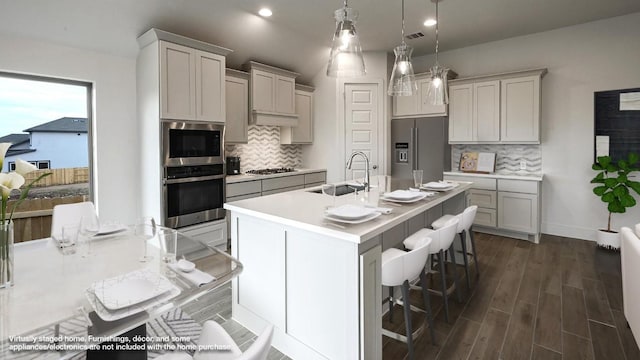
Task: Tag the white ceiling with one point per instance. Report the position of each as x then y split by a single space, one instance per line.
298 35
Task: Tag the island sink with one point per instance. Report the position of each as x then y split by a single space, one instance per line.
341 189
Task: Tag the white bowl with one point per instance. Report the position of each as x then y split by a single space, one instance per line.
185 265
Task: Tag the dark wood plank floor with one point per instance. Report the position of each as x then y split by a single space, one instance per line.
560 299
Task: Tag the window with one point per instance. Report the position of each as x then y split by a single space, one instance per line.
48 123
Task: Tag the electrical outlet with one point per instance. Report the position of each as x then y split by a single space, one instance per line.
523 165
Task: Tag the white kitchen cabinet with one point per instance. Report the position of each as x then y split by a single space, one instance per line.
191 83
518 212
272 95
237 107
520 111
212 233
496 109
417 105
303 132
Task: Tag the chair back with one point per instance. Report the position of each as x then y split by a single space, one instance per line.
443 237
468 216
408 265
260 347
69 214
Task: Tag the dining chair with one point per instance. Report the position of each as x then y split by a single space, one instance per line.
213 334
69 214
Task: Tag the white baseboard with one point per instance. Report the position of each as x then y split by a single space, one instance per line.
569 231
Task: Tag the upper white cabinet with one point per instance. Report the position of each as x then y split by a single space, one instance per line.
503 108
191 83
417 105
237 107
303 133
273 95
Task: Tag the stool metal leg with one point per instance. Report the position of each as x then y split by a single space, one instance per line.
407 316
443 279
390 304
427 306
473 248
466 260
455 274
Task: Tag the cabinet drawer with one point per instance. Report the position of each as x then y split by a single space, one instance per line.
213 234
282 182
243 188
313 184
520 186
241 197
276 191
485 217
478 182
318 177
483 198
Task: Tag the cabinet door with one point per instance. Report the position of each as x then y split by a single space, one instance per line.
237 110
405 105
424 107
518 212
482 198
262 91
285 94
210 87
460 113
303 133
520 110
177 82
486 110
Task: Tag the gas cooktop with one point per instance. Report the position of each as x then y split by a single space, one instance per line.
270 171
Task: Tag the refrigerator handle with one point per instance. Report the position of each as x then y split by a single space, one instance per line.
414 140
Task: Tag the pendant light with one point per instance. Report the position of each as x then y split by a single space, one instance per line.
346 54
402 81
437 91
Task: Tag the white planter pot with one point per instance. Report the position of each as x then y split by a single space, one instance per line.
608 240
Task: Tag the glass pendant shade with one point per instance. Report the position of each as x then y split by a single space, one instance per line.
402 82
346 54
437 91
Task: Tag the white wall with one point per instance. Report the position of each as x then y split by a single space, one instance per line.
327 150
581 59
63 150
114 122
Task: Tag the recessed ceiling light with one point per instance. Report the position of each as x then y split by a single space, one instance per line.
430 22
265 12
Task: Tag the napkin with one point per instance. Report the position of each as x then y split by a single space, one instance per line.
384 210
196 276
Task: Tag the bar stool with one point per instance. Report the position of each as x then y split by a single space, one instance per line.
465 223
442 241
398 268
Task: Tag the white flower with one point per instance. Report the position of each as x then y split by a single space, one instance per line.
3 151
23 167
9 182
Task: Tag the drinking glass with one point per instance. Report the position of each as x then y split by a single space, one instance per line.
89 226
69 239
417 178
169 244
330 189
145 230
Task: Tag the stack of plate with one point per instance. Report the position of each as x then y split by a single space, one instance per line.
351 214
404 196
128 294
439 186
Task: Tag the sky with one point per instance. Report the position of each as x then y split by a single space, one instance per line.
27 103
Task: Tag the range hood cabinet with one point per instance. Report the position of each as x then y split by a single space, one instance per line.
273 119
273 95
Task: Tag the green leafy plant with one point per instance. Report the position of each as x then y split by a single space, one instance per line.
614 183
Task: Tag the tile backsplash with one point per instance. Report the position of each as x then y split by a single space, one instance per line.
508 157
263 150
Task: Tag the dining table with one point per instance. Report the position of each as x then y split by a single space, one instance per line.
58 305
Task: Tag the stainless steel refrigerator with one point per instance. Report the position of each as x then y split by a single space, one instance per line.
420 144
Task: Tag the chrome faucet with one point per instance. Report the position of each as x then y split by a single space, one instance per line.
367 181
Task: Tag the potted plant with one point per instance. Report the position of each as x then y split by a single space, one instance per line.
613 186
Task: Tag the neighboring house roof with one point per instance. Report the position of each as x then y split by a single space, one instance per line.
17 152
15 139
65 124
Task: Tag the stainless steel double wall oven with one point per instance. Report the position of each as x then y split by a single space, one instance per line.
194 172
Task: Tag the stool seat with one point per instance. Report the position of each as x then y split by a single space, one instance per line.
441 221
411 242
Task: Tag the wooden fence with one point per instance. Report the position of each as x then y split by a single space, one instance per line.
64 176
32 219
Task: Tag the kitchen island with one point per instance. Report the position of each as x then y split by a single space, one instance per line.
318 281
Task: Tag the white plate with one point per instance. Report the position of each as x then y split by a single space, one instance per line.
106 229
420 196
358 221
107 315
130 289
350 212
403 195
438 185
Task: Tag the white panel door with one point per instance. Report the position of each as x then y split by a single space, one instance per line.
210 84
486 110
461 127
177 82
361 126
518 212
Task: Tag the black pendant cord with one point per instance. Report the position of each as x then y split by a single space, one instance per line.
437 22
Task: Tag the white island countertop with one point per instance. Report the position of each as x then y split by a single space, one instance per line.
305 210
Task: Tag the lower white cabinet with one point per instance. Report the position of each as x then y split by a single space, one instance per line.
212 233
518 212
